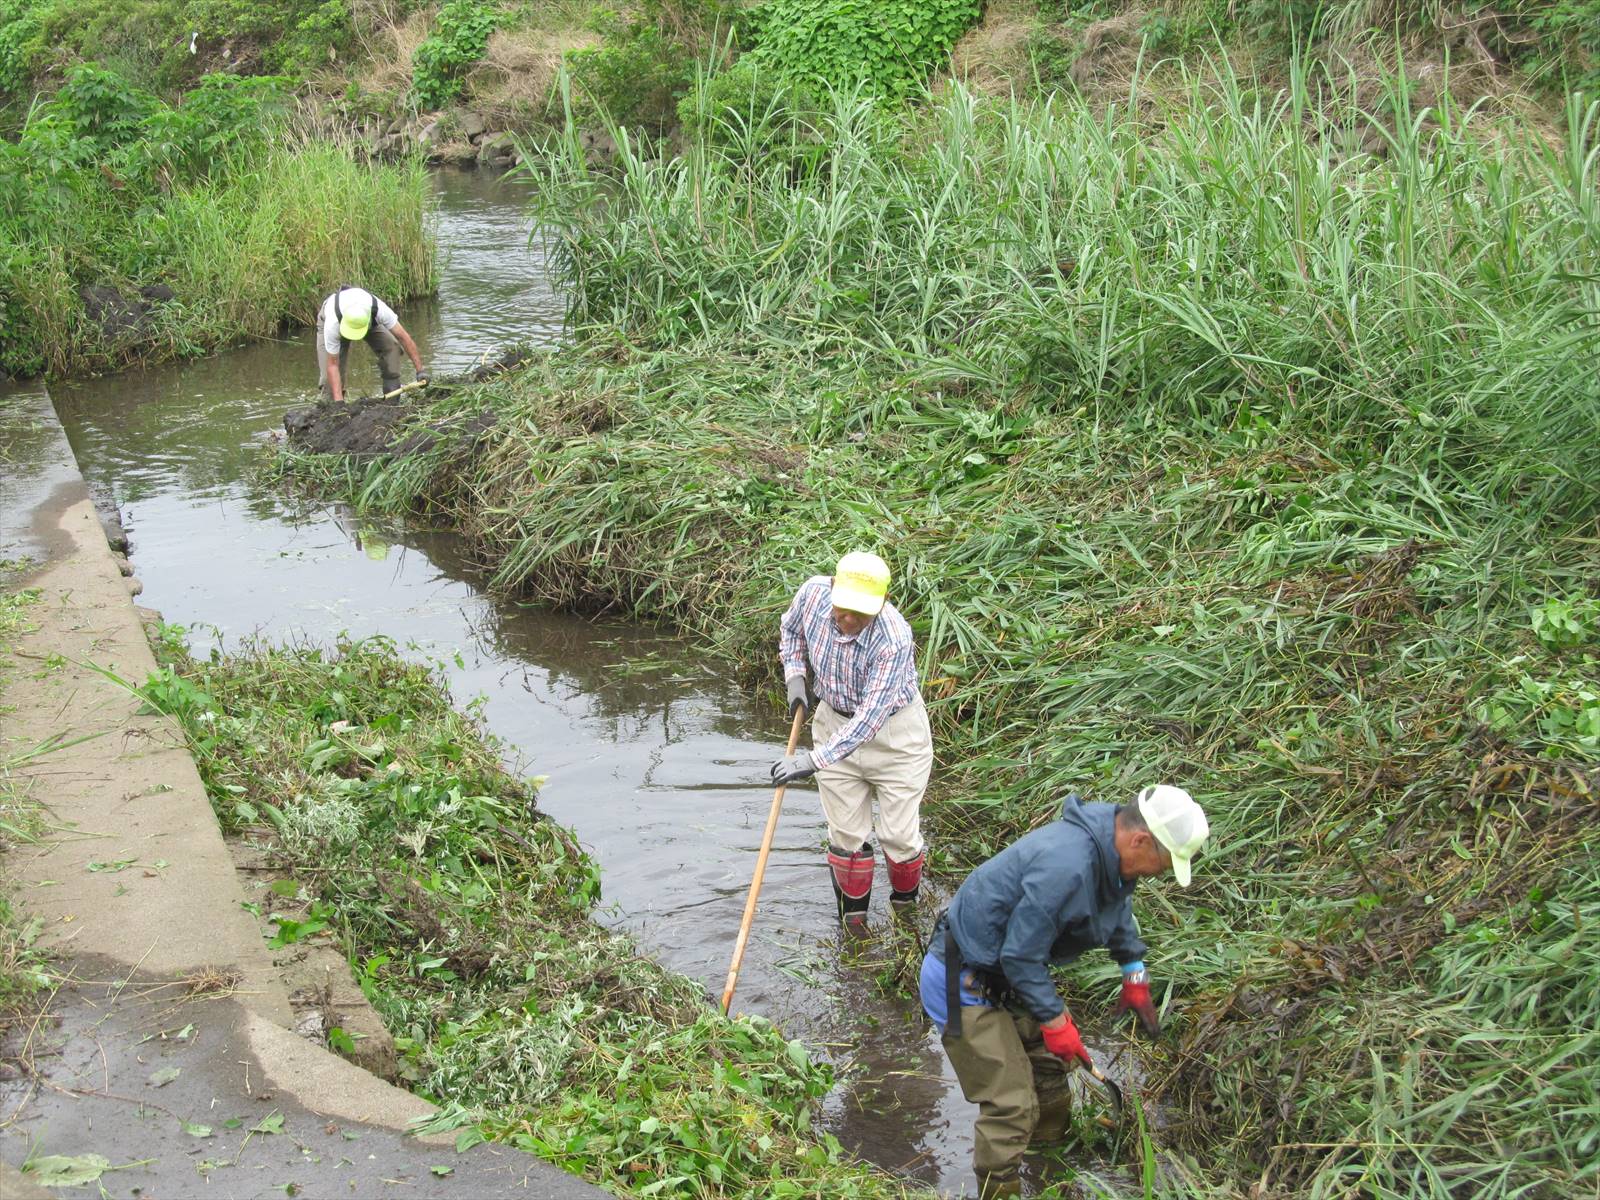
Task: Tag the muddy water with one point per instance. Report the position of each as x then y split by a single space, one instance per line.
654 756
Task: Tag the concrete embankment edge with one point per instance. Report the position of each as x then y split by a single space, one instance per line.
132 882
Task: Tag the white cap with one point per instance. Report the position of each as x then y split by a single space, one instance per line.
1177 822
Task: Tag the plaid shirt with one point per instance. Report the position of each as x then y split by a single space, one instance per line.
871 675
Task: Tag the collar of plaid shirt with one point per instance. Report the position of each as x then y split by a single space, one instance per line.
842 665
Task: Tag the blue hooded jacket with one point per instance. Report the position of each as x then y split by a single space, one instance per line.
1045 899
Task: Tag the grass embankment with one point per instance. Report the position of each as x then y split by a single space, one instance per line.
465 915
1205 448
244 224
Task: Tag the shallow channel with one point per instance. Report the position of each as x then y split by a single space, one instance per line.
654 755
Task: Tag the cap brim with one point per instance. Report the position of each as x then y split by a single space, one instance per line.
1180 870
354 330
845 596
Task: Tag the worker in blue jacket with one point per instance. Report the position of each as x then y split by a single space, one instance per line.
1042 901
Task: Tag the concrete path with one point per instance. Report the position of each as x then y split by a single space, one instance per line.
143 912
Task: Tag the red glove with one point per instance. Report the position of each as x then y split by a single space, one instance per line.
1136 998
1061 1039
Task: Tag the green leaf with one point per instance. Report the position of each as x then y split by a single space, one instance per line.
163 1077
271 1123
441 1170
198 1131
467 1139
59 1170
798 1055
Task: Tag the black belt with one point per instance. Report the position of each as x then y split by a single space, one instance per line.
952 982
847 715
988 982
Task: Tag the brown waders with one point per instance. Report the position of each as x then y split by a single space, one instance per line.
1020 1088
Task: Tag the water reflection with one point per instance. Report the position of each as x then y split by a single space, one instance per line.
30 468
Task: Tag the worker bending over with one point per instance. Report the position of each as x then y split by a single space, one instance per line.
1057 892
354 315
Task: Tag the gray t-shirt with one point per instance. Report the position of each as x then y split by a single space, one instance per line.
330 323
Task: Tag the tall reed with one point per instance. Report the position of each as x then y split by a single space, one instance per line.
1205 447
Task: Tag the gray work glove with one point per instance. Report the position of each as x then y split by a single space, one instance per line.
422 377
797 694
796 766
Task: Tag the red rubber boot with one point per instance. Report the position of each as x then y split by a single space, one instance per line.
905 878
852 883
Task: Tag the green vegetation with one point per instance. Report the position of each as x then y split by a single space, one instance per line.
1551 44
149 42
889 47
215 199
460 35
466 917
648 58
1206 447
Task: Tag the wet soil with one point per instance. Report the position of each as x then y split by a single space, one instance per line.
360 429
368 427
162 1076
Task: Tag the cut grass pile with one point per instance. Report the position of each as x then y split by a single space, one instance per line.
1205 448
465 914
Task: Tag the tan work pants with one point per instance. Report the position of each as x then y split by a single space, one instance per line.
383 344
894 767
1018 1085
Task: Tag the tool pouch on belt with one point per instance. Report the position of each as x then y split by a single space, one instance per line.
991 985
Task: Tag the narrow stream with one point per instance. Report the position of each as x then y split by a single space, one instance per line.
654 755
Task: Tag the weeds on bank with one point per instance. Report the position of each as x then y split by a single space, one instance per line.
1205 446
466 917
245 225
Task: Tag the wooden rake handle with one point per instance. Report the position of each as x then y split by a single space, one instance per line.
761 869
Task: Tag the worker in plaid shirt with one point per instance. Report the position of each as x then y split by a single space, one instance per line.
870 732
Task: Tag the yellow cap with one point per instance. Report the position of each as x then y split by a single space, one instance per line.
355 313
860 582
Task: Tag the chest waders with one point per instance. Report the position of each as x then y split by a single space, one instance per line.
1004 1067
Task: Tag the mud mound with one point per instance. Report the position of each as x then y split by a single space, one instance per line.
381 426
358 428
123 316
